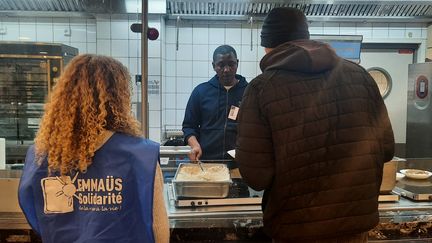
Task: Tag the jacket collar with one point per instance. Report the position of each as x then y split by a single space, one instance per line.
215 82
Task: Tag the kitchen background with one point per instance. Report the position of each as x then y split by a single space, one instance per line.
174 72
395 34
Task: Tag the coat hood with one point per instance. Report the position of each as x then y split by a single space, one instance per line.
305 56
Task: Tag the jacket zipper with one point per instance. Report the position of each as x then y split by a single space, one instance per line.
226 123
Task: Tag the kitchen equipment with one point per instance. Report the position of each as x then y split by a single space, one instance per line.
169 155
345 46
173 137
417 190
170 158
200 189
419 111
28 72
239 194
389 175
217 202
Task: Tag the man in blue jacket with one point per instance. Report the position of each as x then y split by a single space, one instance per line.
210 122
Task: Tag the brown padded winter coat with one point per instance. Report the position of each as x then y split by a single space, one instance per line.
314 133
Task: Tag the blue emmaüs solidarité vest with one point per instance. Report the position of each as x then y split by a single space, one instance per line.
111 202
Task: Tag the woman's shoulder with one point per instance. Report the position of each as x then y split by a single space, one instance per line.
129 141
127 138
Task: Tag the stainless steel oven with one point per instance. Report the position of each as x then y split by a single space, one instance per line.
28 71
419 116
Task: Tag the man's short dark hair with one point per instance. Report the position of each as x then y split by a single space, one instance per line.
224 49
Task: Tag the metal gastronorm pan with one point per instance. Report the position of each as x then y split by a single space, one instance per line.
200 189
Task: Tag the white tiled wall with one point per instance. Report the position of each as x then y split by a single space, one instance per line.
76 32
114 38
190 65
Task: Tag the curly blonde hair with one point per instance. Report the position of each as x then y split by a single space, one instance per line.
91 97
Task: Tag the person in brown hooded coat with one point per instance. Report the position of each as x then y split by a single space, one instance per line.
313 133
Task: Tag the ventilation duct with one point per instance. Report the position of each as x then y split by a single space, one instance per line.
324 10
396 10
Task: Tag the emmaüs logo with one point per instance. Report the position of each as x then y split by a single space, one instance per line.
58 193
110 188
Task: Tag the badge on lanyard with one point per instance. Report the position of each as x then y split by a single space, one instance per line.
233 113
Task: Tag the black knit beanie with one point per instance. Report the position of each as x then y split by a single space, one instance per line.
282 25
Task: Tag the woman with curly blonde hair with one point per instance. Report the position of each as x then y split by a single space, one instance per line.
90 176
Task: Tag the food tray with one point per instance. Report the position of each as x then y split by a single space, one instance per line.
200 189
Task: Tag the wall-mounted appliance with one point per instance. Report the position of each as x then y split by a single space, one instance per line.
28 71
345 46
419 114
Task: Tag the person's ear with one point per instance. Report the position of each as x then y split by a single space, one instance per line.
214 67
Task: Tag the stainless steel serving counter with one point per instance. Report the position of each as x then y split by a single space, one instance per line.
244 222
401 207
400 221
405 205
403 210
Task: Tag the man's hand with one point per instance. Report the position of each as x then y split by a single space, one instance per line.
196 152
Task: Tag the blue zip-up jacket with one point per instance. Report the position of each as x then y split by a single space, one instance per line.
206 117
111 202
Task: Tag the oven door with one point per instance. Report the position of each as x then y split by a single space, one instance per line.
24 85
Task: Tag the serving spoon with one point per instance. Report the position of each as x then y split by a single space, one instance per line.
200 165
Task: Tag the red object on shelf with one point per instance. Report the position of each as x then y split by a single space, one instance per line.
405 51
